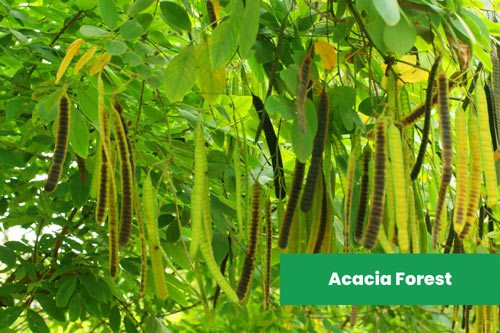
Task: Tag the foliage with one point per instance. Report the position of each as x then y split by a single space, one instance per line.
183 67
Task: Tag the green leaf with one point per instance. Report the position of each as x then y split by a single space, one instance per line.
107 9
291 78
21 15
493 28
48 106
178 255
19 36
74 308
92 31
401 37
176 294
145 20
303 143
373 22
248 33
36 322
9 316
116 47
153 325
388 10
13 108
11 158
172 233
175 15
87 98
132 58
130 327
225 38
49 306
65 291
93 288
91 305
212 82
79 135
278 104
462 29
138 6
115 319
343 96
7 256
181 73
130 30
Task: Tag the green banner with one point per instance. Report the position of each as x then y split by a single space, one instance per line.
390 279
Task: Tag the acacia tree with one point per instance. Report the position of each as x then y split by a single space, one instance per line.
156 157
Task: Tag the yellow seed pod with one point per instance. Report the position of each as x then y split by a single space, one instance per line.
84 59
99 63
71 51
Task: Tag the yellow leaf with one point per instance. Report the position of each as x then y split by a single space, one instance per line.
405 71
71 51
84 59
364 118
415 75
327 53
99 63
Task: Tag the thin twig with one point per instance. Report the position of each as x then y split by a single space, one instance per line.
13 82
56 37
66 26
24 151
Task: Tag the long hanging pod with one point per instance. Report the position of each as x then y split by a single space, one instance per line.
253 240
490 177
61 147
447 151
94 185
487 318
427 120
317 152
291 207
399 183
378 191
126 180
103 189
351 168
118 107
106 165
273 146
495 92
363 195
238 185
474 175
461 171
390 208
200 169
200 235
305 70
149 206
324 219
269 243
113 224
